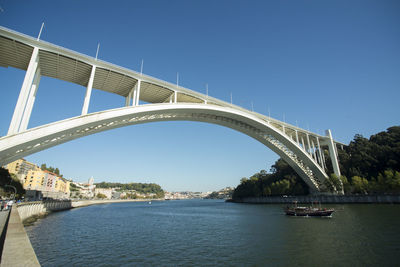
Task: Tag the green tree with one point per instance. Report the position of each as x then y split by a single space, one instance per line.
7 180
328 186
392 181
374 187
267 191
73 187
360 184
243 180
101 196
336 182
346 184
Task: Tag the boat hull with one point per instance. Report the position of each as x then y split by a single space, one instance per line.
310 212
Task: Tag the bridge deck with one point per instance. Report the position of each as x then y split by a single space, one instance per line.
64 64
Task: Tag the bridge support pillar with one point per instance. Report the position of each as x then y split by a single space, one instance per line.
24 93
128 98
134 96
137 93
313 151
320 155
334 156
309 146
85 107
31 101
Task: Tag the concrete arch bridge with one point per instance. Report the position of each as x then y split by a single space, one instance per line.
144 99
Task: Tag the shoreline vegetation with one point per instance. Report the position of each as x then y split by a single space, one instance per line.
323 199
370 167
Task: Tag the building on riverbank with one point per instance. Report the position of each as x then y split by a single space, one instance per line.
49 184
34 180
84 190
20 168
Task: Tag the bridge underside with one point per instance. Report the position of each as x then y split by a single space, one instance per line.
31 141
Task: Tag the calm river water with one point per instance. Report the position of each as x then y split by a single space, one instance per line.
215 233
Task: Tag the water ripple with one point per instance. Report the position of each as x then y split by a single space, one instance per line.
212 233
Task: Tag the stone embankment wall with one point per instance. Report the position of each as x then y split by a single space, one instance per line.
328 199
29 209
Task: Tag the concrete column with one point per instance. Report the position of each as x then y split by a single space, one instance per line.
138 92
323 159
333 153
302 142
297 137
85 107
134 95
31 101
309 146
283 129
176 97
128 98
313 150
24 93
320 154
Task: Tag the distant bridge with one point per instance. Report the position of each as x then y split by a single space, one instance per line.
165 101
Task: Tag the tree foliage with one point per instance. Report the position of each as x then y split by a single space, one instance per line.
7 179
101 196
372 165
369 157
282 180
50 169
73 187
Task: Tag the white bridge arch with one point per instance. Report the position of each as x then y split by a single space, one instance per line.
300 148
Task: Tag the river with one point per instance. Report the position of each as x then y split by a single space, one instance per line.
215 233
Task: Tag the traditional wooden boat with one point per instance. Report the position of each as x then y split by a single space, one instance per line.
308 211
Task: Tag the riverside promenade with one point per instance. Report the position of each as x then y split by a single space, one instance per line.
17 249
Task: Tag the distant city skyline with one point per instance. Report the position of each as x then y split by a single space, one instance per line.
318 65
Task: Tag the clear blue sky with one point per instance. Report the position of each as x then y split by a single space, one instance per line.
325 64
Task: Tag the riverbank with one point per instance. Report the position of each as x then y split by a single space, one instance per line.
324 199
